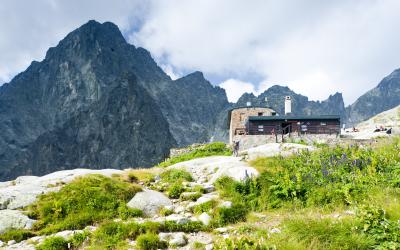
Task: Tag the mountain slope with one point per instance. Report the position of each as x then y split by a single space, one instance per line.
385 96
61 112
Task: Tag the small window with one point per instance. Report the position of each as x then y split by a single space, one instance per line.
242 115
323 123
260 130
260 113
260 126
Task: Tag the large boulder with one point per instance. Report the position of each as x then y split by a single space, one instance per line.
14 219
149 201
276 149
213 167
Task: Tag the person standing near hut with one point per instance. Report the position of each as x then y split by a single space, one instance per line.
236 148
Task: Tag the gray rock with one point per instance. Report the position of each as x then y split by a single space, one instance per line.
209 188
14 219
178 239
227 204
221 230
209 247
179 219
11 242
1 243
149 201
205 218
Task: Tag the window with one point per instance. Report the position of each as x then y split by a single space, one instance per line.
260 130
242 116
260 113
323 123
260 126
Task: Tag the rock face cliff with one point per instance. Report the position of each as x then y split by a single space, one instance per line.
334 105
96 101
384 97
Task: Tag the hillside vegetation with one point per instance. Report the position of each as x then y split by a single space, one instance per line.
336 197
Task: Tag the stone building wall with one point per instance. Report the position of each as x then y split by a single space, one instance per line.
239 117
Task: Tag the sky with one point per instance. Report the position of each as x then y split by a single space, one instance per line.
314 47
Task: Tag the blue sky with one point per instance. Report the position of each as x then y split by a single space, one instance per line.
315 47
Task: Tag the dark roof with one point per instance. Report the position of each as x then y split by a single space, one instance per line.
294 117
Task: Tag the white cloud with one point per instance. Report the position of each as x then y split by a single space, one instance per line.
315 47
235 88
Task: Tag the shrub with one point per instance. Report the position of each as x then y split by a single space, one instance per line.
53 243
175 190
149 241
113 234
327 233
215 148
125 212
192 197
78 239
176 175
373 222
131 177
171 226
86 200
326 177
165 212
227 215
16 234
241 243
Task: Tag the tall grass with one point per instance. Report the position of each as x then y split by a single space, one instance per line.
215 148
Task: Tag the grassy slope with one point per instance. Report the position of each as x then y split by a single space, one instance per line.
334 198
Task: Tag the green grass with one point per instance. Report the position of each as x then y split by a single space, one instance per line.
215 148
229 215
149 241
175 175
175 190
53 243
86 200
345 177
205 207
113 235
17 235
327 233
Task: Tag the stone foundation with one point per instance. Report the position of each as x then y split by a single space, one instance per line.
249 141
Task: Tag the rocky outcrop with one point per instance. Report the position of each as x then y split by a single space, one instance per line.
14 219
384 97
24 190
208 169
